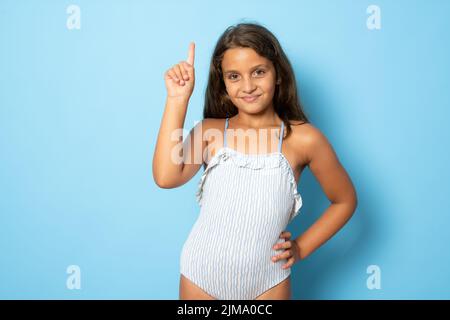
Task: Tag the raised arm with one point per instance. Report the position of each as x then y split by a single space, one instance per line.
168 170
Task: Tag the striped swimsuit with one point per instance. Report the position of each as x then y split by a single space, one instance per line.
246 201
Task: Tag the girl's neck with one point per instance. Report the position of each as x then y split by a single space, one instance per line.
259 121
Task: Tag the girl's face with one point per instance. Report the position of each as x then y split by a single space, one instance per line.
246 74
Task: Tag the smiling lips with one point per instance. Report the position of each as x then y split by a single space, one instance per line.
250 98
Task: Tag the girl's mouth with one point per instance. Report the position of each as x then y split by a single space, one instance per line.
250 99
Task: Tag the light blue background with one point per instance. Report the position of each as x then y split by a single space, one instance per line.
80 111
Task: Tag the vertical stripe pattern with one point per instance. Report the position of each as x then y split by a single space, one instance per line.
246 201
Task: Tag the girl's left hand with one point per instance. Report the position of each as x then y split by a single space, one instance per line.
291 252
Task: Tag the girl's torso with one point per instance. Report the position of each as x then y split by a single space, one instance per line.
246 201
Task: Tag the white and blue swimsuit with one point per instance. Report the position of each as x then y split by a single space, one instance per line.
246 201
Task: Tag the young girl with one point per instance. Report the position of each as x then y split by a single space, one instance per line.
237 248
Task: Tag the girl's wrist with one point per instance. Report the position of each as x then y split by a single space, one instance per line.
178 98
299 248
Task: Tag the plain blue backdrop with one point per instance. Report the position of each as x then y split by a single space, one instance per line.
80 110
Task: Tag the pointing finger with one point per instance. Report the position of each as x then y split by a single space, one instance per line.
191 54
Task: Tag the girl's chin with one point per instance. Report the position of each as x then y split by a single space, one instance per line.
254 109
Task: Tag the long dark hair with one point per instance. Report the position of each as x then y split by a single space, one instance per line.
251 35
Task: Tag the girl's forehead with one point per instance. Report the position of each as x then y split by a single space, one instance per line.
242 57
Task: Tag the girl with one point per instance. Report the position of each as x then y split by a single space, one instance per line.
236 248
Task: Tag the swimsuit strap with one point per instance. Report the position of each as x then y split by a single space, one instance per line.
281 136
225 134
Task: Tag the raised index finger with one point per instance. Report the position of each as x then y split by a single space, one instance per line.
191 53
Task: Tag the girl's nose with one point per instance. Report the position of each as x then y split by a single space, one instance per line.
248 85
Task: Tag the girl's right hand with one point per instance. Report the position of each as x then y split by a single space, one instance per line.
180 78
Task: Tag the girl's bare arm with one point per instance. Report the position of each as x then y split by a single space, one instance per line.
175 162
338 187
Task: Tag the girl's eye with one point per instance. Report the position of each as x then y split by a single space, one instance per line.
259 71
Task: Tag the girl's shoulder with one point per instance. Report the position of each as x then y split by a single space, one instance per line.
210 128
301 127
303 140
306 139
304 131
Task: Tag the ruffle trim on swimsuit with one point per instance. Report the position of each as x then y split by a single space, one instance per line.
255 162
297 201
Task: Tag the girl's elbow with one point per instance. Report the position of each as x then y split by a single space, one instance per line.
162 181
165 184
353 204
